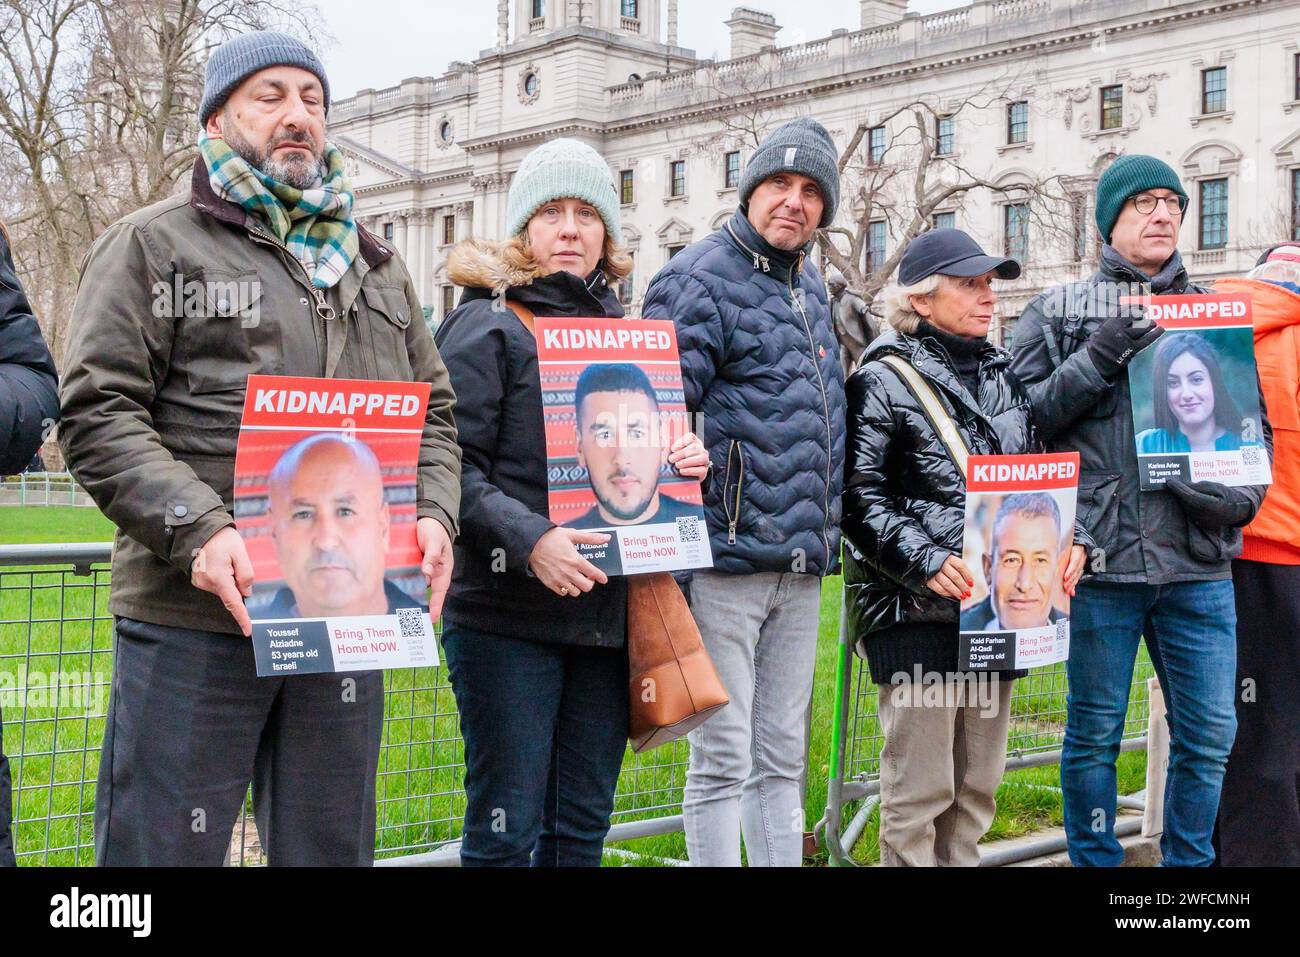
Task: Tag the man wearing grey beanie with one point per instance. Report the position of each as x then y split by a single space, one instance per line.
760 366
287 284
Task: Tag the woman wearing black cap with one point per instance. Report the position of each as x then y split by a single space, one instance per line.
904 506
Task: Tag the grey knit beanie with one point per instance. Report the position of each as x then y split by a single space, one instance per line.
240 57
801 146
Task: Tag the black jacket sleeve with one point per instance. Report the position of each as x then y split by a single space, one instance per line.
29 399
1058 394
874 522
476 352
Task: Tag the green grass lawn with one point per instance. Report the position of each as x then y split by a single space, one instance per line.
57 622
33 524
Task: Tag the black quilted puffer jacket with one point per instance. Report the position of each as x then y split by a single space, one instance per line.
904 497
761 365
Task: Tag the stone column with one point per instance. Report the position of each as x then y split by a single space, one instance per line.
503 24
672 23
399 232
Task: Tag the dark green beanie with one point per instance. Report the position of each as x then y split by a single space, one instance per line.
1125 177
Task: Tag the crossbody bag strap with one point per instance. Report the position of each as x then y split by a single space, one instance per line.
524 314
934 409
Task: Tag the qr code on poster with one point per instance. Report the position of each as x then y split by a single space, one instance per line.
688 529
411 621
1250 456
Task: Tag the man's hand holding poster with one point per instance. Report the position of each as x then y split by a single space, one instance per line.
613 406
1194 393
1018 534
325 477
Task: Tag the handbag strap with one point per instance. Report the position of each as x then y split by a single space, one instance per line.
934 409
524 314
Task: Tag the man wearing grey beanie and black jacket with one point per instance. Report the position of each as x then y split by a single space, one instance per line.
760 365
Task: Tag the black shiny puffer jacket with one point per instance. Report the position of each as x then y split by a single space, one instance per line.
904 498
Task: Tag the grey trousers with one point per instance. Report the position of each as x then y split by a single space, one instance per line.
190 725
945 750
747 761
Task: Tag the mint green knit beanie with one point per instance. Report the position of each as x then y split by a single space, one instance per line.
561 169
1125 177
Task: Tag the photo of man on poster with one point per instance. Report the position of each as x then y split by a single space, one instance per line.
622 443
331 529
1022 566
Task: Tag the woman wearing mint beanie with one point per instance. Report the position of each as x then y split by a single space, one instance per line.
534 635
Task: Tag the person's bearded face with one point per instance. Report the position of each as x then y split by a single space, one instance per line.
275 120
619 445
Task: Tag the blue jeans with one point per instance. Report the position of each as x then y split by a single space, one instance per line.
545 729
1190 631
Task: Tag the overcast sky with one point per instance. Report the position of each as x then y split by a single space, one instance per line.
380 42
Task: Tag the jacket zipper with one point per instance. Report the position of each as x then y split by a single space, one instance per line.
761 262
323 309
733 517
826 407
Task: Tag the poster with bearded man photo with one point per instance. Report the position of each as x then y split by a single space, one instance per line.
613 406
325 500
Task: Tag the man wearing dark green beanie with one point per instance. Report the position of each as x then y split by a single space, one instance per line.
1162 570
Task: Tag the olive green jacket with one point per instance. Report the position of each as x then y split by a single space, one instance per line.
152 396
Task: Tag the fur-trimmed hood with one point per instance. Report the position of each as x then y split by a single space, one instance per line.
483 264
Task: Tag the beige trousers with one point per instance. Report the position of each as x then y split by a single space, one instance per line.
945 749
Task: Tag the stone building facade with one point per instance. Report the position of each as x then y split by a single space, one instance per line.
1026 90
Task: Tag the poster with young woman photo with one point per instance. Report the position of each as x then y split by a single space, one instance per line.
1195 401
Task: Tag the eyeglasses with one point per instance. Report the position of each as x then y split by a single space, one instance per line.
1145 204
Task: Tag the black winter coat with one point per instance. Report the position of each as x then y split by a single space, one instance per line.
492 361
29 399
904 499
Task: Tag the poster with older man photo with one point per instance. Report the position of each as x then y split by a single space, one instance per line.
1195 401
1019 530
325 500
614 414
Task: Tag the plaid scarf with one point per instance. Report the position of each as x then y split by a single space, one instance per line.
315 224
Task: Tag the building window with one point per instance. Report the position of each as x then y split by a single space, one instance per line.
674 250
448 230
448 300
388 231
944 220
627 284
945 136
875 245
875 145
1214 213
1214 90
1112 107
1295 204
1015 231
1079 225
445 132
1295 76
732 176
677 178
539 9
531 84
626 187
1018 122
630 11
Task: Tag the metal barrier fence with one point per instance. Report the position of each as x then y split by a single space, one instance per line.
56 659
43 488
1036 732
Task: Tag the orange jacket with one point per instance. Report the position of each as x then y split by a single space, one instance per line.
1274 535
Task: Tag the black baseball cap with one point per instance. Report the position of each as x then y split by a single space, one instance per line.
950 252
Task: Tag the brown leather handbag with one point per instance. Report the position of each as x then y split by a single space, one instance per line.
672 684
